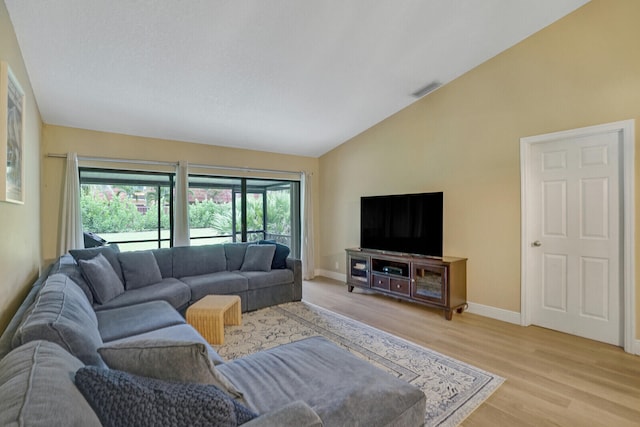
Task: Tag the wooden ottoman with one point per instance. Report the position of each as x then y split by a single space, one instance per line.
211 313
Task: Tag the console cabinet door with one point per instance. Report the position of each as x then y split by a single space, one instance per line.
429 283
358 268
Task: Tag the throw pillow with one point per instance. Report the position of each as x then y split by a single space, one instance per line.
120 398
167 360
280 257
139 269
258 258
102 279
110 252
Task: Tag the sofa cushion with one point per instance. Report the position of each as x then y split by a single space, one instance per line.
37 389
258 258
264 279
234 252
67 265
102 279
164 259
196 260
296 413
223 282
121 322
170 290
110 252
341 388
139 269
120 398
186 362
62 314
178 333
281 254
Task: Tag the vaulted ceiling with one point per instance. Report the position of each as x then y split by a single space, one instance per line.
286 76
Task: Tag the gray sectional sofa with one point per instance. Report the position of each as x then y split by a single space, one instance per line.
131 359
184 275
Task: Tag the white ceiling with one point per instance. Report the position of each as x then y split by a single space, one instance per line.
286 76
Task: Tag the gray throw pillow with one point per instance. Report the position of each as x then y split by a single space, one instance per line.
120 398
167 360
258 258
102 279
110 252
139 268
280 256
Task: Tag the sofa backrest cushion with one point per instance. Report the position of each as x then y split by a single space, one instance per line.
67 265
181 361
258 258
198 260
120 398
164 258
37 388
139 268
280 257
62 314
234 253
102 279
110 252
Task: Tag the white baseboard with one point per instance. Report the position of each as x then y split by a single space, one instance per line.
494 313
341 277
636 347
475 308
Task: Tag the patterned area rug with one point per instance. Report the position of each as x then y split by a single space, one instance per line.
453 388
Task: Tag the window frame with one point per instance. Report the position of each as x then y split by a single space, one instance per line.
117 179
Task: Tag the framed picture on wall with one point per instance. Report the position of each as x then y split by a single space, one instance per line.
11 137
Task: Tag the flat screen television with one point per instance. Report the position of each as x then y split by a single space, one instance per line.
408 223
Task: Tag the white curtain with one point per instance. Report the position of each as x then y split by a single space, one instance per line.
71 236
181 208
308 265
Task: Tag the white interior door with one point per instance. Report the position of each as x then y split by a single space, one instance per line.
573 229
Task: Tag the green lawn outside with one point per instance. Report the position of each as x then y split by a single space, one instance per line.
144 235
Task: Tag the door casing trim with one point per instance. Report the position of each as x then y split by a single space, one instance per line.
626 128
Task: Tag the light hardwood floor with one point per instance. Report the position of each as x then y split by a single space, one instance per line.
552 379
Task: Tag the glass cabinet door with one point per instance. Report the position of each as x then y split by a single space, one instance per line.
428 283
358 270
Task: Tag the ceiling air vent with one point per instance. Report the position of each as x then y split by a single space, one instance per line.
427 89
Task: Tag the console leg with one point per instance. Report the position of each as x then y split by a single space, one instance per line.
350 288
448 314
462 308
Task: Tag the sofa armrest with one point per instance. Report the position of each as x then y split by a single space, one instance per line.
296 413
295 265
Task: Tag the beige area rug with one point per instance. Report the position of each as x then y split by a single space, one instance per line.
453 388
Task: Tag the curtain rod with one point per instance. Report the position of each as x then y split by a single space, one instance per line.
194 165
115 160
241 169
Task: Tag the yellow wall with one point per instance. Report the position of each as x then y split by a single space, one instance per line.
464 140
20 224
57 139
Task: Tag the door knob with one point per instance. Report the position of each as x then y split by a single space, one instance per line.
537 243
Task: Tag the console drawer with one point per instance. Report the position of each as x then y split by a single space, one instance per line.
399 286
380 282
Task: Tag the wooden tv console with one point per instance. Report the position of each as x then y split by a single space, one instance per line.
436 282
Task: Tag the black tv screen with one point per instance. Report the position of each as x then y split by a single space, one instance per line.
408 223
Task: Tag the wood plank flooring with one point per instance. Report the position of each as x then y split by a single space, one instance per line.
552 379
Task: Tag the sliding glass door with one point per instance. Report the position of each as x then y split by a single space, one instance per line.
132 209
226 209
